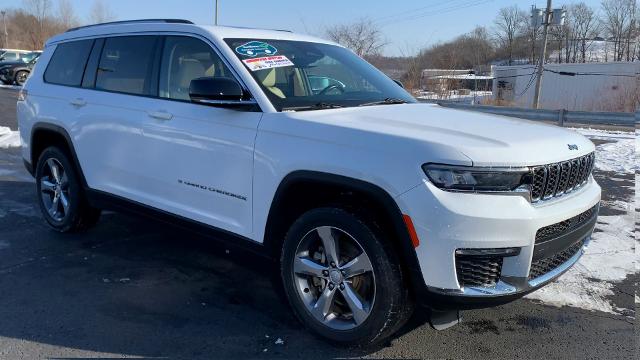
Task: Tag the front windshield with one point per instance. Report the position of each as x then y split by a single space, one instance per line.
297 75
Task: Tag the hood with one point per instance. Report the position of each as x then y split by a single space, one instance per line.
487 140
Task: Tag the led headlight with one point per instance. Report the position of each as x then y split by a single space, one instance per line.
477 179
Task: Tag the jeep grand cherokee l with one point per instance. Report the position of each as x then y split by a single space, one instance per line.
302 151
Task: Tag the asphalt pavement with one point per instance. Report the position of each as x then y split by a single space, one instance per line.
133 287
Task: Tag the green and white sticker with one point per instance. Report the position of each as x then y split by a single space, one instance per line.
256 48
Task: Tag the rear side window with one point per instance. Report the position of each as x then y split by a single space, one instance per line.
67 64
126 65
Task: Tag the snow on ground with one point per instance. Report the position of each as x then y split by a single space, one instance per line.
618 156
10 87
9 138
611 256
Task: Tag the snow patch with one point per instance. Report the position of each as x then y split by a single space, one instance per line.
9 138
10 87
618 156
609 258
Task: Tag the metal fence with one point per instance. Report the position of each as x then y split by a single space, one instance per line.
559 116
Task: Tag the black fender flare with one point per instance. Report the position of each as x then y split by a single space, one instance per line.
403 243
59 130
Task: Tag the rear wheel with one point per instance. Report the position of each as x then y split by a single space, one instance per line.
21 77
60 193
341 278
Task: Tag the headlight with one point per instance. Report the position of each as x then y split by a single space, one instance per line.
463 178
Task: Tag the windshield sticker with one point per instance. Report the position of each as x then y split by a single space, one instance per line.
267 62
256 48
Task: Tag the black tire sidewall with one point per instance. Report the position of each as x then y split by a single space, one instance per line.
74 189
390 292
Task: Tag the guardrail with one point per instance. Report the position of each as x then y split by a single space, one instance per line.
559 116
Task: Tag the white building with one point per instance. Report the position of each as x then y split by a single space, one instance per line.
613 86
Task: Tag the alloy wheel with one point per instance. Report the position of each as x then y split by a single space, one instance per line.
54 190
334 278
22 77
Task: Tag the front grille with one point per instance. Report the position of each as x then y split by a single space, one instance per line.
474 270
560 178
563 227
543 266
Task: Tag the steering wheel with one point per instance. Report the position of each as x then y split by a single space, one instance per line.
332 87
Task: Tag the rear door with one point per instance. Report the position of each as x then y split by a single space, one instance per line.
119 89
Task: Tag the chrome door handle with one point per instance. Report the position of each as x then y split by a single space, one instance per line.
78 102
161 115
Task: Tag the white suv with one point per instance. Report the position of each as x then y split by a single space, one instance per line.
298 149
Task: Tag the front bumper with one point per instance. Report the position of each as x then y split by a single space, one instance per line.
446 222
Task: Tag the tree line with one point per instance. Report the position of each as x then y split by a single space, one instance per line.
511 39
29 26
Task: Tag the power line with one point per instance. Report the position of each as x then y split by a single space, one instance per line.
411 11
571 73
445 10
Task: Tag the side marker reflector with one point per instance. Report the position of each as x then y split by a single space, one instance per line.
412 230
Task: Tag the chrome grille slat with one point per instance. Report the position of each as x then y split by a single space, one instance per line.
557 179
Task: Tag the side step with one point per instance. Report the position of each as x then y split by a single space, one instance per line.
442 320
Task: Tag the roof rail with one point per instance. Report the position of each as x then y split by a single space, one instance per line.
169 21
253 28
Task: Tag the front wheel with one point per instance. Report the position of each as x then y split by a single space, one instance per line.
342 278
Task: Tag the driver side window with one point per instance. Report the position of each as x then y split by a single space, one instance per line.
184 59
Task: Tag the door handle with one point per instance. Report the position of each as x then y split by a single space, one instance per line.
78 102
161 115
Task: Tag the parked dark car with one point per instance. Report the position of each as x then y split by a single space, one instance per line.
16 72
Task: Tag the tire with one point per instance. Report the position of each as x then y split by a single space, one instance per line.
21 77
77 214
308 277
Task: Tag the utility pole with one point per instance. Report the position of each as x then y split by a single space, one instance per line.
217 9
6 33
540 70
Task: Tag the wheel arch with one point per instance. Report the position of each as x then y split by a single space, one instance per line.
328 189
44 135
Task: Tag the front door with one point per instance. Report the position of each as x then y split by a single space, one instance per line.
200 158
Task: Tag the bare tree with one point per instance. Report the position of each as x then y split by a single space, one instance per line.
39 11
585 28
363 37
618 22
100 13
508 25
66 14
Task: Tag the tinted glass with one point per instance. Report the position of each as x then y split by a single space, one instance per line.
67 64
126 65
184 59
298 74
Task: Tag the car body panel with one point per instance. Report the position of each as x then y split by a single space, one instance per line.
223 167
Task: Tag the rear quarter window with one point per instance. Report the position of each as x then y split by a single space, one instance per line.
67 63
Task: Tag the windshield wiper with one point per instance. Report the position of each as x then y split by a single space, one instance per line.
318 106
387 101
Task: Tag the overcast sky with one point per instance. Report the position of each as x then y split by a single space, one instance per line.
407 24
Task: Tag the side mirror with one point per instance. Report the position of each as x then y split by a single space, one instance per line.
217 92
